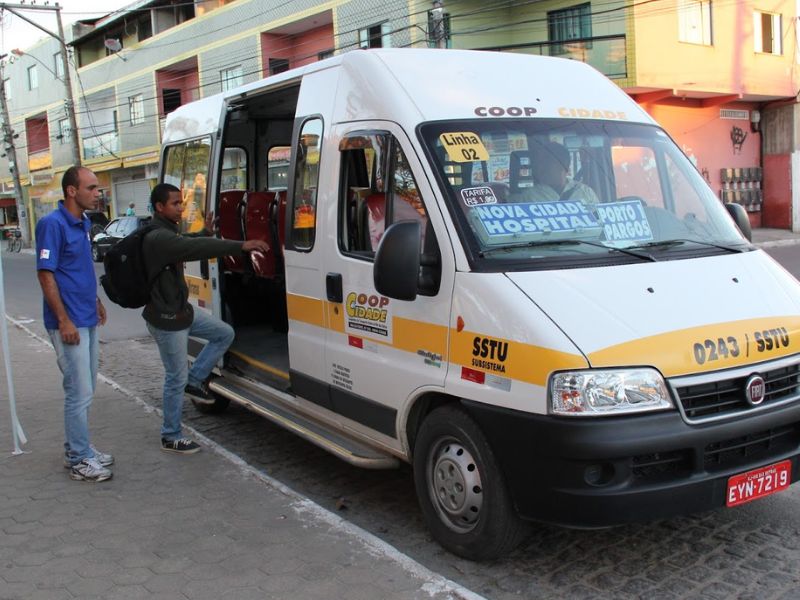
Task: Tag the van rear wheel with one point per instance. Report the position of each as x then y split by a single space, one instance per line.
460 488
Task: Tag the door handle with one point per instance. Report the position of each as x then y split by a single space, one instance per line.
333 287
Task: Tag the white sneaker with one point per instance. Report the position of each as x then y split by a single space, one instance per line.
89 470
104 459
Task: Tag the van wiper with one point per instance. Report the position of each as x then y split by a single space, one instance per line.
680 241
537 243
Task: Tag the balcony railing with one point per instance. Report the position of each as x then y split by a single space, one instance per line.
605 53
101 145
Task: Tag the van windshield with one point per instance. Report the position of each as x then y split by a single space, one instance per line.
538 189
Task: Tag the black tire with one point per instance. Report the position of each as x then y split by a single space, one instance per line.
460 489
220 405
17 245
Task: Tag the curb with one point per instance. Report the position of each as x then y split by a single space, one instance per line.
778 243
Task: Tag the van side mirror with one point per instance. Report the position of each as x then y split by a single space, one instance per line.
739 215
396 269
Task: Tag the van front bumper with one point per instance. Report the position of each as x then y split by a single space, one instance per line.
600 472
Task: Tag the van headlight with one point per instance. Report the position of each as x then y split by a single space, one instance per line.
600 393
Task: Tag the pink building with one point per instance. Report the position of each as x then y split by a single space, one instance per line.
722 78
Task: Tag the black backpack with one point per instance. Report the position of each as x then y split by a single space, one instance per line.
125 280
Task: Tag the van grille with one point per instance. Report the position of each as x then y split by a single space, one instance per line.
727 397
746 448
661 465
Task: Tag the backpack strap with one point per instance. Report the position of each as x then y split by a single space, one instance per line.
150 280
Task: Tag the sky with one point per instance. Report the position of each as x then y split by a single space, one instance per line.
16 33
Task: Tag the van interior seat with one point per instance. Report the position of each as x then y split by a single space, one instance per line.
231 224
372 220
258 225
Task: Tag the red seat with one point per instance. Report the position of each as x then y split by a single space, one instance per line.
259 224
230 224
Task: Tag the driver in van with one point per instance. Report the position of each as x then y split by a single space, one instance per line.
550 166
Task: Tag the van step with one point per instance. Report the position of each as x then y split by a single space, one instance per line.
269 404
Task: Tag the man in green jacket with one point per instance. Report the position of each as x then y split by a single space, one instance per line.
169 316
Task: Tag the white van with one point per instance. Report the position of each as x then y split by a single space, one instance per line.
499 269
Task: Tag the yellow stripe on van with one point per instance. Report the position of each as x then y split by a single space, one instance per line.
507 358
305 309
707 348
409 335
335 316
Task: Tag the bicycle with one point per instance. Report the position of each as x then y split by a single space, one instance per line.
13 240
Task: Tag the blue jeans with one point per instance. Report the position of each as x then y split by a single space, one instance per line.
173 347
78 364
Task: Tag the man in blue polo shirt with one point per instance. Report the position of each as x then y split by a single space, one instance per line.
71 313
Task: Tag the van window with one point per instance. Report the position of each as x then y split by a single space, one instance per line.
687 202
234 169
186 166
306 177
562 193
636 174
378 189
278 167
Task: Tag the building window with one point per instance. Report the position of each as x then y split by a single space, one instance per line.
144 28
136 107
171 99
231 78
63 131
278 65
58 65
325 54
33 78
694 21
377 36
572 23
767 33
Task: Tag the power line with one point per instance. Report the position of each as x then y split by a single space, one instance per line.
486 10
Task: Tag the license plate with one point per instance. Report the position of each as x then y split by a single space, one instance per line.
758 483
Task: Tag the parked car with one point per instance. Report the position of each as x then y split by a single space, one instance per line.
99 221
114 232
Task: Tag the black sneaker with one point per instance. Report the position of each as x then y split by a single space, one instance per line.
200 394
180 446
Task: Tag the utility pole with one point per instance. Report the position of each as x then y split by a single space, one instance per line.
437 20
11 152
73 123
70 101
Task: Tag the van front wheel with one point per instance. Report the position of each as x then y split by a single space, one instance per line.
460 488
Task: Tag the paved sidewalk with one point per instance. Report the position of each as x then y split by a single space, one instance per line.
168 526
768 238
